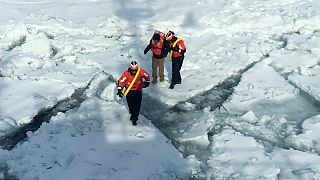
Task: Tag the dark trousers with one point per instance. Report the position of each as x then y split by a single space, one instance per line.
176 67
134 98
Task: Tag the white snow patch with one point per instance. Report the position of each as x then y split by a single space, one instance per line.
114 148
296 165
21 100
258 85
309 84
239 157
309 138
37 45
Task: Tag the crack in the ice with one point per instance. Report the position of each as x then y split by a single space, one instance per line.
220 93
184 119
4 173
305 95
49 36
17 43
54 51
311 99
268 144
158 112
10 140
283 38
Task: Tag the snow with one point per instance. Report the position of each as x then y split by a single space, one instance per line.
294 62
263 54
22 99
308 84
87 144
258 85
38 45
238 157
309 138
296 164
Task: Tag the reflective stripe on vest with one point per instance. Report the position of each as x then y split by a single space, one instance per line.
174 44
126 90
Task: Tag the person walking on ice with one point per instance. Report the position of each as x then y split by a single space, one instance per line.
130 85
177 50
159 47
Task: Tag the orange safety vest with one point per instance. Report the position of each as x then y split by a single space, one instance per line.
180 43
127 79
157 45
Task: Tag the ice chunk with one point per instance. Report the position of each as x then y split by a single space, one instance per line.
38 45
65 159
7 124
258 85
240 157
296 165
250 117
309 139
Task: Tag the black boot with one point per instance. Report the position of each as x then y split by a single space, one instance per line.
134 122
171 86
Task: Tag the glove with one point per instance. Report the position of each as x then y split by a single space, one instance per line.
145 51
183 51
146 84
176 49
120 93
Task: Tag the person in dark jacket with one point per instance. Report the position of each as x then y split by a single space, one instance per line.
159 47
177 50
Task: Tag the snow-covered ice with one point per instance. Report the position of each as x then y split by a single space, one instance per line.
263 56
239 157
22 99
260 85
94 142
309 138
296 164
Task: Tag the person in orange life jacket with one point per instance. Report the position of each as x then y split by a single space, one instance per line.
178 48
134 96
159 47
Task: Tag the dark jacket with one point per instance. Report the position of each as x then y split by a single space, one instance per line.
164 50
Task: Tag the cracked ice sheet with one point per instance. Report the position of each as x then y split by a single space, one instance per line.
226 19
301 67
235 156
300 56
21 100
264 92
202 57
94 142
309 84
219 58
259 85
296 165
309 138
60 55
288 62
228 63
201 71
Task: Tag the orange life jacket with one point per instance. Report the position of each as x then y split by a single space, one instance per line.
127 78
157 45
180 44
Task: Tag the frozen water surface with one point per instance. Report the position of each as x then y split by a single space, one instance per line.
248 106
